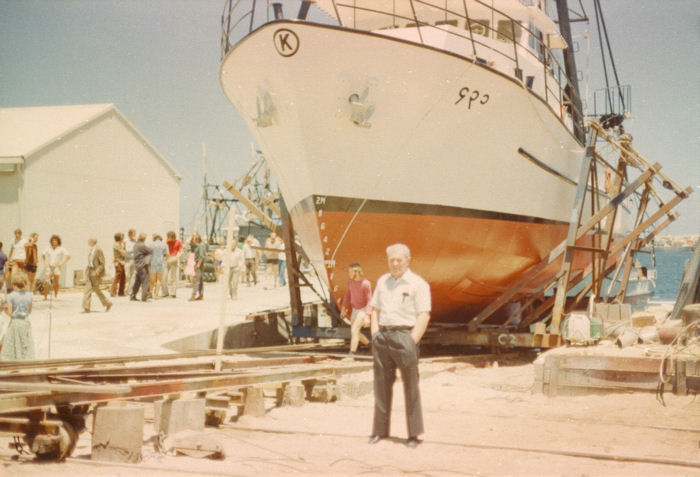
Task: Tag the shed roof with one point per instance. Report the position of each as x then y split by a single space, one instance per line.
25 131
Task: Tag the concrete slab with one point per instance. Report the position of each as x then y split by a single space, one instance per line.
293 394
117 434
254 402
175 415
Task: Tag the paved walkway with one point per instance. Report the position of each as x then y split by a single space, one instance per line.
135 327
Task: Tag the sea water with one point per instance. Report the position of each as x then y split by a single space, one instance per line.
669 269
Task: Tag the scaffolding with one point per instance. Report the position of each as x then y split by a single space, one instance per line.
590 235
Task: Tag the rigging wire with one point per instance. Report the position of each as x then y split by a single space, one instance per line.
612 60
598 14
603 31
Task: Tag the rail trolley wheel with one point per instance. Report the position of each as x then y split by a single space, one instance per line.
54 446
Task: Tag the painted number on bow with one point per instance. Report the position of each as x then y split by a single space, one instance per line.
472 97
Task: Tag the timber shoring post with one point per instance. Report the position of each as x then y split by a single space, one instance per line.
292 267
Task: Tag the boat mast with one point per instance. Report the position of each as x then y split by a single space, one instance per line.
572 90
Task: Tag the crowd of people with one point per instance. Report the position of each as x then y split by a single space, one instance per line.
142 271
23 256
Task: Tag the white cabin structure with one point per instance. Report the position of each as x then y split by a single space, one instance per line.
81 171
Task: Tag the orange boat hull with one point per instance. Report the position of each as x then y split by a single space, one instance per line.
468 257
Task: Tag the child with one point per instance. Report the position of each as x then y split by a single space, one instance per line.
18 343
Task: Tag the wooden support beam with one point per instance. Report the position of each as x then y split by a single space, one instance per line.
297 306
617 200
269 223
519 284
582 248
628 149
619 245
577 208
270 204
671 217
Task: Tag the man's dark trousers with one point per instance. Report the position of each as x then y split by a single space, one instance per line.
141 281
395 349
198 282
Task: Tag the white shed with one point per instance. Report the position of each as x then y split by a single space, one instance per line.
81 171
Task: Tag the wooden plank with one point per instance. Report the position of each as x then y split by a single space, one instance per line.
574 221
253 208
596 380
612 363
617 200
620 244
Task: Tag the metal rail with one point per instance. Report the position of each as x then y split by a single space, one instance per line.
38 388
89 362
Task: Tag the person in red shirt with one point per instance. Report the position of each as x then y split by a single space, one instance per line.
172 265
358 295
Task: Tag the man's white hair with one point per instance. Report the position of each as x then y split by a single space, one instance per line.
398 247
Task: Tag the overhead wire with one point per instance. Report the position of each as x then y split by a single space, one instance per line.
612 60
598 14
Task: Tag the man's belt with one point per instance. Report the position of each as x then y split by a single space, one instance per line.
395 328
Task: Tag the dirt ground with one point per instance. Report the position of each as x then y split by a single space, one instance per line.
479 422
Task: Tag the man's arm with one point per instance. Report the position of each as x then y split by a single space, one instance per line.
374 322
65 260
419 328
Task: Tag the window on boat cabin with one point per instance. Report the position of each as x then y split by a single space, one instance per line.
536 42
446 22
505 31
479 27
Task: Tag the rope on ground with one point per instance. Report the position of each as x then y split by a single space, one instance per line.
688 338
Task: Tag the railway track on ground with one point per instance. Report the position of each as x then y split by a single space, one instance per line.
45 403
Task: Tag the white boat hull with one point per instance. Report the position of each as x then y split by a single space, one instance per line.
431 134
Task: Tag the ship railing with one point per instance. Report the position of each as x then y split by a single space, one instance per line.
503 43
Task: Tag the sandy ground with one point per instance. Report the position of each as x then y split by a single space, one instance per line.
479 421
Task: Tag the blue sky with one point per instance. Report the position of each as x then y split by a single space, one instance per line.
158 62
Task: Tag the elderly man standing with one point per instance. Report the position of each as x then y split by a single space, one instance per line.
401 312
94 272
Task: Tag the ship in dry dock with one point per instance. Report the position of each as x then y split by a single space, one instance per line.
452 126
